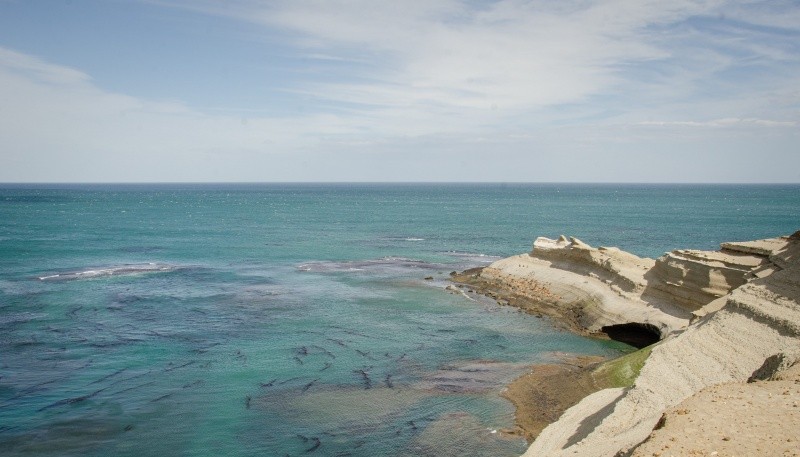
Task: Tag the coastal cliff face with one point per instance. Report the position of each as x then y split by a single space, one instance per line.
745 300
587 288
692 279
597 289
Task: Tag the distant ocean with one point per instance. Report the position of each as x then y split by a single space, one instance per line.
296 319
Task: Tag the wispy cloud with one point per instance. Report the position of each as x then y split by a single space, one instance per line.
486 62
722 123
508 55
56 122
526 79
34 67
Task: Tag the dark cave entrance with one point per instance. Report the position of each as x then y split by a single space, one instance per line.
636 334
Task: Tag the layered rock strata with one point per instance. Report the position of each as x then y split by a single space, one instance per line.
746 303
692 279
596 289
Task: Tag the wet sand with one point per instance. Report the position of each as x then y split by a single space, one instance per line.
547 390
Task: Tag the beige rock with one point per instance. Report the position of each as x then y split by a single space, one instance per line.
692 278
596 303
758 419
607 286
756 332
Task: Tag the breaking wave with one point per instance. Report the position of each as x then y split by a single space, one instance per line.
473 257
384 263
116 270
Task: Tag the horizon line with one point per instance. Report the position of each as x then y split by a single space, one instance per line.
144 183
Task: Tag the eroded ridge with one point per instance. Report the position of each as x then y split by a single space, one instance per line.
732 339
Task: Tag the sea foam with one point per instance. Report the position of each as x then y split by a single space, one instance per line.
116 270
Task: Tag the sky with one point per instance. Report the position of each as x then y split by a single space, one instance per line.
413 90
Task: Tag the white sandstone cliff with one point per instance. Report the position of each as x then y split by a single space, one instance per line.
738 335
606 286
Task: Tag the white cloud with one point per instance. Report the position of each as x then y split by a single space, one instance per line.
511 55
731 122
515 78
492 61
13 61
55 123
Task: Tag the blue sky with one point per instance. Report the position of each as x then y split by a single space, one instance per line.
436 90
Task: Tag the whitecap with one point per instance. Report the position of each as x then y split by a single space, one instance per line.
385 263
473 256
397 239
45 278
116 270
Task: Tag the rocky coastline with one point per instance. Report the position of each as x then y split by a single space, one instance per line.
711 323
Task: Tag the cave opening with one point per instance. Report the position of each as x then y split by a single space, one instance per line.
636 334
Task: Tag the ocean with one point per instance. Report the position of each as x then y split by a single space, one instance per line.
302 319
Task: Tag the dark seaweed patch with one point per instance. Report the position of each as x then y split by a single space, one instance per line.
193 383
161 398
339 342
73 400
172 368
324 351
365 378
317 444
365 354
108 376
134 388
308 386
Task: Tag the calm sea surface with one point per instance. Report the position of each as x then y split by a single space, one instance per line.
240 320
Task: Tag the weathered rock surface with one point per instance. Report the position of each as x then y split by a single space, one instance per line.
738 419
596 288
589 288
692 279
755 333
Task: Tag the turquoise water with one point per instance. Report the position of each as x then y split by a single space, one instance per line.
296 319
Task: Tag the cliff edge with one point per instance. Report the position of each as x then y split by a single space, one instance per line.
725 316
606 290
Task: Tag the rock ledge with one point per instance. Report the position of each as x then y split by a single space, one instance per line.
744 306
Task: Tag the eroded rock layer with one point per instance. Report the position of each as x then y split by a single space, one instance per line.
692 279
757 324
596 288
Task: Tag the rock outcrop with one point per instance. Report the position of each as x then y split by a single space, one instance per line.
588 288
692 279
596 290
751 333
